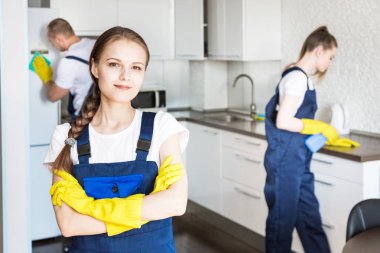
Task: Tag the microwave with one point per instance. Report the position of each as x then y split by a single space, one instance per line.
150 99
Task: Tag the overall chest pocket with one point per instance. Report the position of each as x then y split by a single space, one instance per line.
112 187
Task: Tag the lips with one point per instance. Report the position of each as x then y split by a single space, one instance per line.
122 87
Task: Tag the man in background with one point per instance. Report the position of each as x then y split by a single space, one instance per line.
72 76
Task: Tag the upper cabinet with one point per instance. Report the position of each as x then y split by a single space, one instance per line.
244 30
154 21
189 26
88 17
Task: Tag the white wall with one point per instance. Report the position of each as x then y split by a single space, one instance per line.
354 77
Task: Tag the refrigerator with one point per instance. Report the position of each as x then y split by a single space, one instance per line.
43 118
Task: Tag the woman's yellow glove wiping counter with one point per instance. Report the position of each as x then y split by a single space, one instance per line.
311 126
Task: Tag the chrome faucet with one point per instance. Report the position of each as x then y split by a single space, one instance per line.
252 106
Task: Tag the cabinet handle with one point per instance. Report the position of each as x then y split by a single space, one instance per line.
329 226
323 182
322 161
210 132
253 143
59 112
247 159
41 51
238 189
187 55
248 142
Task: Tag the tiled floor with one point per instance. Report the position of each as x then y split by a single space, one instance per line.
189 238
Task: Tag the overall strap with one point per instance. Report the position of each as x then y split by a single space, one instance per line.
145 137
83 146
76 58
291 69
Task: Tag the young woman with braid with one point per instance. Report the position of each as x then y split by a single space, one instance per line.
108 193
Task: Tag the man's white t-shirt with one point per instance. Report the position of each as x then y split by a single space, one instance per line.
121 147
295 84
75 75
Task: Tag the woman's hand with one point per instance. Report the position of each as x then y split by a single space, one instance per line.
168 174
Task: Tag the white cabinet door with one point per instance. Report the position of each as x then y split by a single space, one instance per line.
154 21
244 205
233 29
216 29
189 29
88 17
44 115
243 168
246 30
43 220
203 166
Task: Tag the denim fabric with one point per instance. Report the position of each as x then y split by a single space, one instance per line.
155 236
289 187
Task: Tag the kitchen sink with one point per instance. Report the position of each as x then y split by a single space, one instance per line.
228 118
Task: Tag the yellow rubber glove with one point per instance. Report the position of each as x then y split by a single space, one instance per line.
123 211
344 142
311 126
43 70
168 174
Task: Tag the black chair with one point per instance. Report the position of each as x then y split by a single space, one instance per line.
363 216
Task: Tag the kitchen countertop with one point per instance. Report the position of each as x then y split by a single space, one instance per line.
369 149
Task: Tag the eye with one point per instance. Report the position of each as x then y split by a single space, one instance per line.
114 64
136 68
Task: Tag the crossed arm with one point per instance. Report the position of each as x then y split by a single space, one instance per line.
164 204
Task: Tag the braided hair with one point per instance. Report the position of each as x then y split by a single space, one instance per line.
92 102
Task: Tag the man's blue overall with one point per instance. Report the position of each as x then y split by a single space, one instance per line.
153 237
289 188
70 104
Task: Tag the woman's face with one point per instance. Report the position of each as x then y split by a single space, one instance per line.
325 58
120 70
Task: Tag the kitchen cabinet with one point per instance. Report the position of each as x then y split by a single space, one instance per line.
244 30
238 182
339 185
154 21
88 17
43 117
203 166
243 177
189 41
43 224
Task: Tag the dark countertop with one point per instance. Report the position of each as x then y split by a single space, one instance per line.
369 149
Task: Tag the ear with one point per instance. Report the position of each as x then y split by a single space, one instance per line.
319 50
94 68
59 38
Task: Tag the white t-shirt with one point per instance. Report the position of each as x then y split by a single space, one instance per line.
75 75
121 147
295 84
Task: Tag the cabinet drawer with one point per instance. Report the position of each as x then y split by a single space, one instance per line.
335 232
243 168
244 143
336 196
244 206
337 167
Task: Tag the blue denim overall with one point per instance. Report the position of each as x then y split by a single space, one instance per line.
153 237
289 187
70 104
